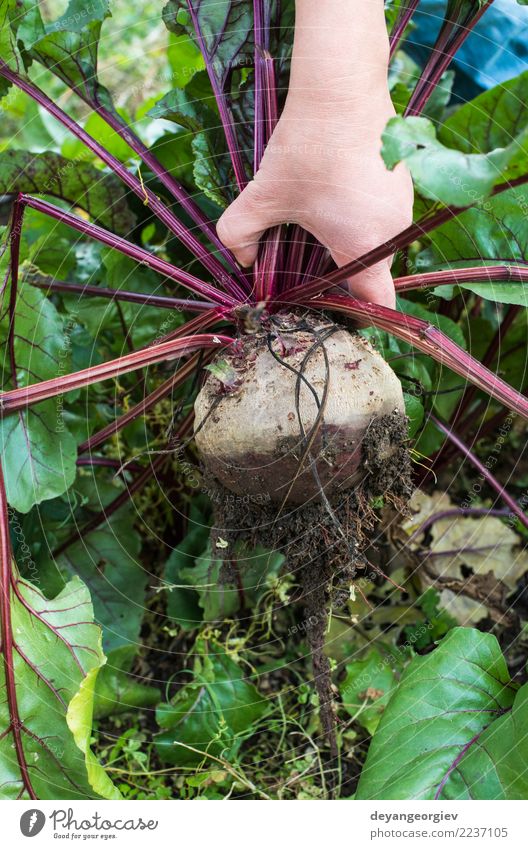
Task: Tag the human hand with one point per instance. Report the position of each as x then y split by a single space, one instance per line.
323 170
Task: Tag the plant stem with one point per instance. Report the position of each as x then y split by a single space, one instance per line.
15 232
450 39
176 189
427 338
265 271
6 631
19 399
162 212
458 276
405 13
221 102
453 513
129 249
161 301
486 474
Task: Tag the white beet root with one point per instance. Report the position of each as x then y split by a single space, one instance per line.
250 438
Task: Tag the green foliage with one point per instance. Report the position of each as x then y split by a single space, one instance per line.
79 183
238 714
194 565
439 622
433 738
367 689
489 121
107 561
56 659
38 451
210 715
68 46
443 174
226 31
117 691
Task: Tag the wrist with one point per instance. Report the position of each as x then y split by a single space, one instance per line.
359 111
340 54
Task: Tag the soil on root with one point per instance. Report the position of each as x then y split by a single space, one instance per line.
324 543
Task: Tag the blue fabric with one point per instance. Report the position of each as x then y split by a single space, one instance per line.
495 51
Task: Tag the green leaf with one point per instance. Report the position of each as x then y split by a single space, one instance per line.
38 454
404 73
448 175
79 183
111 140
69 45
55 659
496 233
430 741
183 604
184 58
366 689
184 110
496 768
9 16
37 450
213 173
226 32
116 691
414 410
439 621
218 599
41 343
107 560
489 121
213 713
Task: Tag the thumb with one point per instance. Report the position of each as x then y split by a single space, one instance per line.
244 222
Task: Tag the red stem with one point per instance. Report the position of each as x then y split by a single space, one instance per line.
451 38
266 265
404 16
162 212
260 100
18 399
15 232
486 474
454 513
162 301
429 339
223 108
129 249
176 189
457 276
6 631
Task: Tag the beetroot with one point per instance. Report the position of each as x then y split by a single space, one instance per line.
290 419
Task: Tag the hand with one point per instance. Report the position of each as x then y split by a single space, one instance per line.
323 170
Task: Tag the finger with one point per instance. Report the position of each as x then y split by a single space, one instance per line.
243 224
375 285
